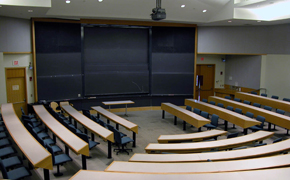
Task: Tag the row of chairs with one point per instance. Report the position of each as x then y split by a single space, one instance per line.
41 135
11 165
120 138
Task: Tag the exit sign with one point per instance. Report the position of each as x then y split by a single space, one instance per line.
15 63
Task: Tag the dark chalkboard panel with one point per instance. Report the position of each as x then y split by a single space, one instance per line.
172 60
58 60
116 60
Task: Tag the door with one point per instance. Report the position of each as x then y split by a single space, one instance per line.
16 89
205 81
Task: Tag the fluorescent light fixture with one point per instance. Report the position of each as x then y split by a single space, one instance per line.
67 1
100 0
30 10
229 21
204 10
182 6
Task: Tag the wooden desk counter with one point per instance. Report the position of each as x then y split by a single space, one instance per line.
230 116
37 155
185 115
267 174
201 167
76 144
94 127
208 145
270 116
118 120
190 136
126 102
274 103
254 152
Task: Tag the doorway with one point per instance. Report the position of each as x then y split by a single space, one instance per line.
205 81
16 89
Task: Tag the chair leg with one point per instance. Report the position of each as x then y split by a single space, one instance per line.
58 173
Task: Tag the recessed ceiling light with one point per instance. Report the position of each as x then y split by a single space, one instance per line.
67 1
30 11
182 6
229 21
204 10
100 0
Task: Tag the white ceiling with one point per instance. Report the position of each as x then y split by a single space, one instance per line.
219 12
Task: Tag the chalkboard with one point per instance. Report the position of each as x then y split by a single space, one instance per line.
58 60
116 60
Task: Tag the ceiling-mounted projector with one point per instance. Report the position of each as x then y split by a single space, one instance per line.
158 13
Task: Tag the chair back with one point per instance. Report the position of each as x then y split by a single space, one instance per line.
95 119
53 105
238 110
232 135
228 97
204 114
23 113
286 99
268 108
257 105
49 148
277 140
110 127
197 111
253 92
220 105
212 102
280 111
263 94
230 108
102 123
86 113
3 170
262 120
117 136
275 97
247 102
214 119
83 136
237 99
188 108
204 100
249 114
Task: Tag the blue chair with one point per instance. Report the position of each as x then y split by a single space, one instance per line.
85 138
7 151
3 135
17 173
232 135
237 99
204 100
197 111
204 114
121 141
249 114
214 122
253 92
260 144
280 111
277 140
263 94
257 105
228 97
286 99
188 108
238 110
212 102
275 97
220 105
269 108
10 162
111 128
258 127
247 102
58 160
230 108
87 113
4 142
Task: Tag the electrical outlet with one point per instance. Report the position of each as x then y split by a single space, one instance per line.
79 95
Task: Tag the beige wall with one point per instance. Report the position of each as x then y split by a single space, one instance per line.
275 75
5 62
219 67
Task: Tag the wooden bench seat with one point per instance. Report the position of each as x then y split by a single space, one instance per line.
201 167
267 174
207 146
190 136
254 152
